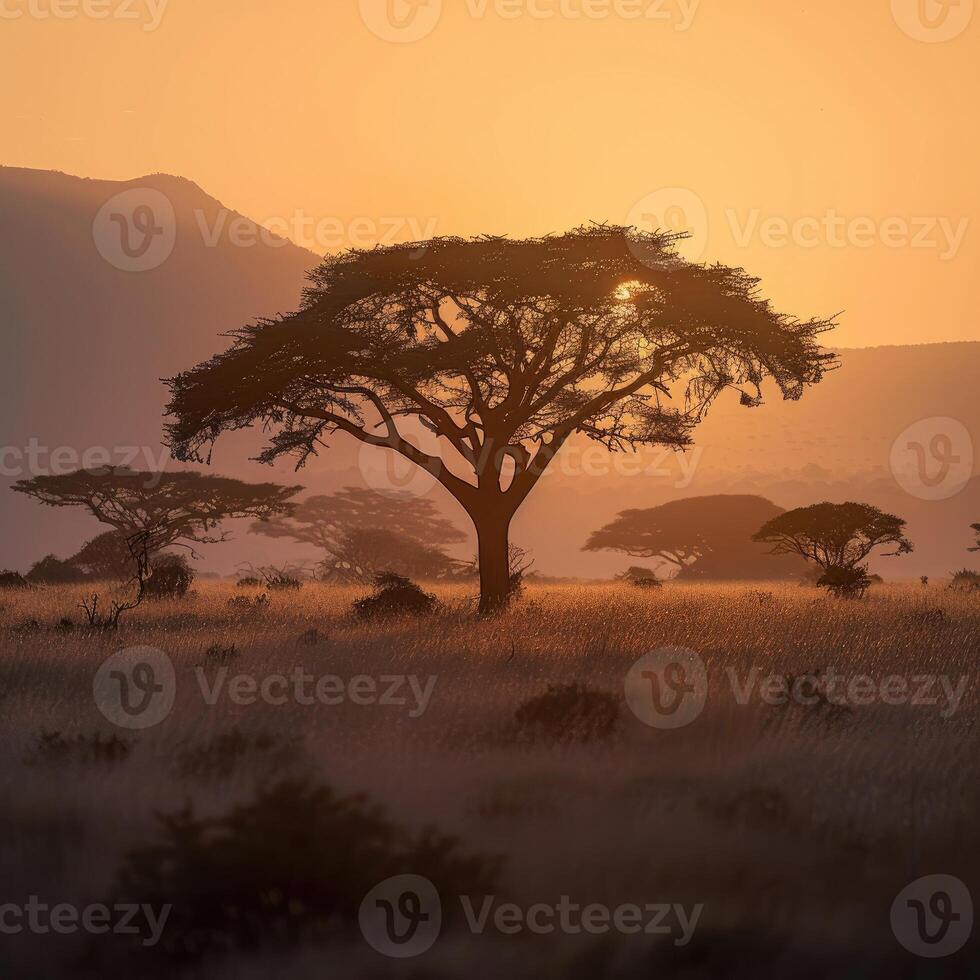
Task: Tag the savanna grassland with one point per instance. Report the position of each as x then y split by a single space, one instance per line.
794 825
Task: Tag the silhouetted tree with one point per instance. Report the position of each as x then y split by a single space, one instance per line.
160 510
363 533
361 554
106 556
502 349
51 570
838 538
700 538
976 531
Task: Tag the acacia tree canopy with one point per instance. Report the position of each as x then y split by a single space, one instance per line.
322 519
706 537
161 509
503 349
835 536
364 532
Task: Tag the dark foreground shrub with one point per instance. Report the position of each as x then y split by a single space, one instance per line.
13 580
569 712
846 583
394 595
290 867
53 748
171 578
965 580
640 577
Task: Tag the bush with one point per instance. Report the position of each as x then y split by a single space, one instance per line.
54 571
965 580
846 583
13 580
171 578
249 582
394 595
290 867
569 712
52 748
640 577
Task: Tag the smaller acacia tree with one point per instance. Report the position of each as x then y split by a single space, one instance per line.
838 538
155 511
976 531
702 538
362 533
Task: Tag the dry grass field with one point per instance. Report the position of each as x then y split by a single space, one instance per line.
793 825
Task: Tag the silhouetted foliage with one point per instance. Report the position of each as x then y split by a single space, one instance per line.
163 509
640 577
503 350
290 867
976 530
358 555
53 571
569 712
394 595
106 557
965 580
364 532
171 577
53 748
701 538
13 580
837 538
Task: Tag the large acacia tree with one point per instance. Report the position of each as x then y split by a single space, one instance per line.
503 349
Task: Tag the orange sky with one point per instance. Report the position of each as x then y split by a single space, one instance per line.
832 144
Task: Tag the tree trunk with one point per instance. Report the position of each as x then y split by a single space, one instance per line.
493 535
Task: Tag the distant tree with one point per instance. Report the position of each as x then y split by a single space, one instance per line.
363 533
106 556
503 350
705 538
51 570
159 510
976 531
838 538
361 554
